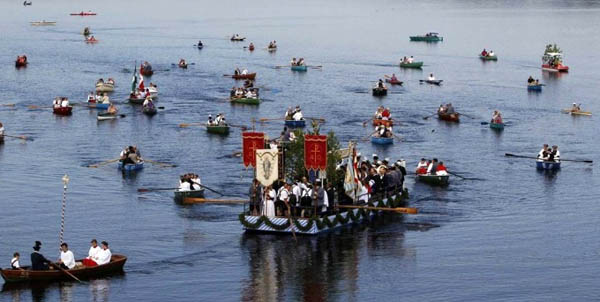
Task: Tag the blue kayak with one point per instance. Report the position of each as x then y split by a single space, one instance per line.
131 167
547 165
382 140
295 124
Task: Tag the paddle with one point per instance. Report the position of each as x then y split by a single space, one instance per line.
204 200
239 126
211 189
66 272
367 137
191 124
23 137
397 210
469 116
532 157
485 123
316 119
155 189
315 66
159 163
271 119
426 117
8 105
396 136
281 66
365 122
103 163
37 107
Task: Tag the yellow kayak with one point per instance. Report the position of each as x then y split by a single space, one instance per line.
569 111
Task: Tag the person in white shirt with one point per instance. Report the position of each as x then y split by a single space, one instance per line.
297 114
1 131
104 254
249 94
67 259
104 99
543 153
92 257
491 53
269 202
431 77
245 71
56 103
14 262
293 62
184 185
64 102
283 198
411 59
196 184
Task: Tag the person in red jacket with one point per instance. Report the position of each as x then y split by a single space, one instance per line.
441 169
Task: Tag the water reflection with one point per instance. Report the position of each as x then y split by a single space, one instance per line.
99 290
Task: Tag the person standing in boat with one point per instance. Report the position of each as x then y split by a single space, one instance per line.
255 194
104 254
38 261
268 208
67 259
283 198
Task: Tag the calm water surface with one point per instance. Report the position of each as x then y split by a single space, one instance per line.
514 234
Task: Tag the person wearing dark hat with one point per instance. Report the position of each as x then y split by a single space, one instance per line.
38 261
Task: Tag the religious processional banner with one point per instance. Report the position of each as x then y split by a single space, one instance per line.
267 164
315 152
252 141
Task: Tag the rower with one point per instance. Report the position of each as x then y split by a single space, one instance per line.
543 153
386 115
148 102
104 254
56 103
449 108
196 183
411 59
497 117
210 121
200 43
92 257
64 102
104 99
380 84
442 109
491 53
237 71
67 259
297 114
112 109
431 77
393 78
38 261
293 62
432 166
575 108
251 46
245 71
14 262
530 80
182 62
441 169
422 166
555 154
484 53
300 61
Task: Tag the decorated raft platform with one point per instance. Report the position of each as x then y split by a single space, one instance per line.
318 225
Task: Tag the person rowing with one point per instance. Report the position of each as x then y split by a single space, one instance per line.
182 63
297 114
293 62
450 109
531 80
237 71
484 53
1 132
251 46
130 156
576 108
104 99
300 62
411 59
200 43
496 117
379 113
148 102
38 261
380 84
431 78
210 121
491 53
112 109
393 79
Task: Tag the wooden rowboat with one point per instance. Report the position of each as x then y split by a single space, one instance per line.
547 165
62 110
249 76
379 91
299 68
436 180
105 87
387 123
130 167
571 112
449 117
98 105
432 82
104 115
180 196
147 110
83 14
396 82
222 130
295 124
382 140
246 101
25 275
238 39
488 58
534 87
497 126
411 65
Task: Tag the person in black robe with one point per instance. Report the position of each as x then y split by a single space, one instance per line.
38 261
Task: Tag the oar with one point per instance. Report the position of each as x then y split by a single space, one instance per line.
205 200
271 119
239 126
365 122
191 124
397 210
532 157
282 66
66 272
159 163
103 163
38 107
8 105
396 136
23 137
366 137
485 123
316 119
426 117
155 189
315 66
210 189
452 173
469 116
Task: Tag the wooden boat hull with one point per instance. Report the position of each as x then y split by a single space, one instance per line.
149 111
387 123
222 130
488 58
393 82
63 110
379 92
184 66
412 65
105 87
382 140
180 196
497 126
426 38
295 124
245 101
250 76
237 39
114 266
147 72
43 23
547 165
452 117
130 167
534 87
436 180
559 68
271 49
299 68
433 82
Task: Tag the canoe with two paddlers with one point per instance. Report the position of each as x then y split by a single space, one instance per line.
449 117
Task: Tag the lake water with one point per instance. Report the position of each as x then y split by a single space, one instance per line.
511 234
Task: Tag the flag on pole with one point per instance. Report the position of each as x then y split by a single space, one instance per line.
141 87
352 185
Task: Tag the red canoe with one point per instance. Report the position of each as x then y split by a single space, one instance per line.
396 82
452 117
17 275
83 14
387 123
250 76
559 68
62 110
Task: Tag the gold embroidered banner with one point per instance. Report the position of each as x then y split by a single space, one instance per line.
267 162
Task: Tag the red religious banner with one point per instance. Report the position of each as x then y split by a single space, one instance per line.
252 141
315 152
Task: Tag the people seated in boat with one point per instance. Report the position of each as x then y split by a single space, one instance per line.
378 113
297 114
210 120
449 108
300 62
531 80
441 169
1 132
148 102
293 62
220 120
104 254
92 258
380 84
60 102
422 166
91 97
491 53
14 262
575 107
383 131
431 77
543 154
251 46
554 154
537 82
112 109
245 71
38 261
386 115
182 62
130 156
67 259
496 117
249 94
411 59
484 53
442 109
432 166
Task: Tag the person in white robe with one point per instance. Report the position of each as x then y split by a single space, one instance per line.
67 259
104 254
269 202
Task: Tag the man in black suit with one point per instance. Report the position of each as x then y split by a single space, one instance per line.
38 261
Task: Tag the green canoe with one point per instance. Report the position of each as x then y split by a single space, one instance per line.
223 130
499 126
246 101
411 65
431 38
488 58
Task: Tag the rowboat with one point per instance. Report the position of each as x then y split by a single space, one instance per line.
246 101
449 117
411 65
130 167
182 65
146 69
430 37
180 196
382 140
134 100
238 39
432 82
21 61
62 110
535 87
104 115
497 126
547 165
488 58
249 76
94 40
251 48
83 14
295 124
26 275
43 23
271 49
379 91
387 123
105 87
571 112
222 130
98 105
299 68
147 110
436 180
394 82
